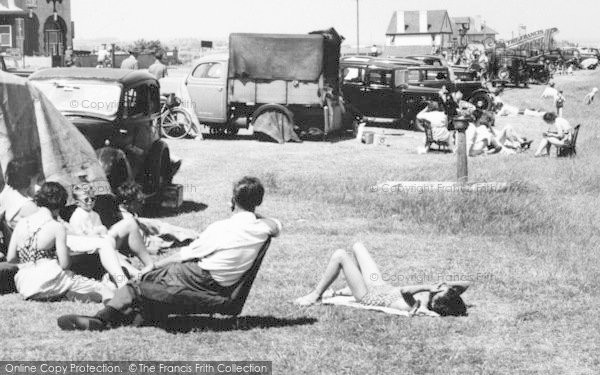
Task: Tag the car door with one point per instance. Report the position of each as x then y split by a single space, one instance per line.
379 92
352 88
207 87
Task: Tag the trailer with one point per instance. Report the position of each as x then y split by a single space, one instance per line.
282 85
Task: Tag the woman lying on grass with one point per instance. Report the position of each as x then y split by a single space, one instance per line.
368 288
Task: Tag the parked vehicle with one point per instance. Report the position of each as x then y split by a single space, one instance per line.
295 86
175 121
118 112
11 65
437 77
379 92
433 60
509 67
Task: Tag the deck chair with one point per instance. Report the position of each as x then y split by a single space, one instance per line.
156 312
442 146
569 149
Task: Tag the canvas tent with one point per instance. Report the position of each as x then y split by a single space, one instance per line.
31 128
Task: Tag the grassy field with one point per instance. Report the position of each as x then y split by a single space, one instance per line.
532 255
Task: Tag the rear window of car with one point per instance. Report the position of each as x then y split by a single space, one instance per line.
414 76
212 70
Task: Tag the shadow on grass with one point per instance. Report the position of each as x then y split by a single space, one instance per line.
186 208
199 323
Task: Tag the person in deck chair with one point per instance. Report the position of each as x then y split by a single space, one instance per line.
211 264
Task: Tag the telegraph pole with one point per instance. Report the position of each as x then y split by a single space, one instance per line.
357 30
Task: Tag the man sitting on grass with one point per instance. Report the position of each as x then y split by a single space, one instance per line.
210 265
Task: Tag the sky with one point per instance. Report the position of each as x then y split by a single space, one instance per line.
216 19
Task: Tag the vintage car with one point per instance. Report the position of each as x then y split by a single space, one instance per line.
380 92
509 67
117 111
10 64
437 77
433 60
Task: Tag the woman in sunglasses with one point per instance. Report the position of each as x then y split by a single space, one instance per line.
86 231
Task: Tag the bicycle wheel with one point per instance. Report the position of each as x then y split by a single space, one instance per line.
175 123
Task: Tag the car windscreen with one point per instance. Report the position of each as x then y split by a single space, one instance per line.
93 97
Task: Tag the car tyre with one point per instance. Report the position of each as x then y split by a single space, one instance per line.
157 168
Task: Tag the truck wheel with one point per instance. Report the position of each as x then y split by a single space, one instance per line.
274 113
115 165
157 168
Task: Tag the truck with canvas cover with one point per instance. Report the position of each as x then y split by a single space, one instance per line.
281 84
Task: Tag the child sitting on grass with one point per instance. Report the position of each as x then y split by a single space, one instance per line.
85 221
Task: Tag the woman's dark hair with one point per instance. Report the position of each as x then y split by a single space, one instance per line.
549 117
19 173
248 193
51 195
449 304
129 193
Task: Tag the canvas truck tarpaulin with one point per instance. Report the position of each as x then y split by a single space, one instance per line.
31 128
275 56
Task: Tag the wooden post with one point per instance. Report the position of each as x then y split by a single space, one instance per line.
462 172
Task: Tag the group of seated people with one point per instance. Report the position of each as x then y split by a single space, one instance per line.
481 135
41 249
43 245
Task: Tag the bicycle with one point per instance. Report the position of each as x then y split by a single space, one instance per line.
175 122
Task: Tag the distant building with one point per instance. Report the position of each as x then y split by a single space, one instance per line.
478 31
418 32
32 27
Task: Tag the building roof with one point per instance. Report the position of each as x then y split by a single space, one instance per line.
477 28
420 22
124 76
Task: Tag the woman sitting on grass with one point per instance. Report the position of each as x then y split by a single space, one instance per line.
39 246
482 139
366 284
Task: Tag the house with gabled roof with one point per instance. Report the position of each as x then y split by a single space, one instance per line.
418 32
478 31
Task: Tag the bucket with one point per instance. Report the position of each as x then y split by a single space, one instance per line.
368 137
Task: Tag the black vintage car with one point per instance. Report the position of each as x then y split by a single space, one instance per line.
509 67
117 111
438 77
379 91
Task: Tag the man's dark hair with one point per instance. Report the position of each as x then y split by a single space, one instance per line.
158 56
51 195
248 193
129 193
19 173
549 117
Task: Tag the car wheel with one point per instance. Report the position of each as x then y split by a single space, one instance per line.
158 168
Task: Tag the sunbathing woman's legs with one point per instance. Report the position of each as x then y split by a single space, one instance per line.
340 260
127 235
368 268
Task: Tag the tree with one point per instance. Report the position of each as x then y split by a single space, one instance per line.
148 46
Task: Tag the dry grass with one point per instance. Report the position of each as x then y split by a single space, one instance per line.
532 255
